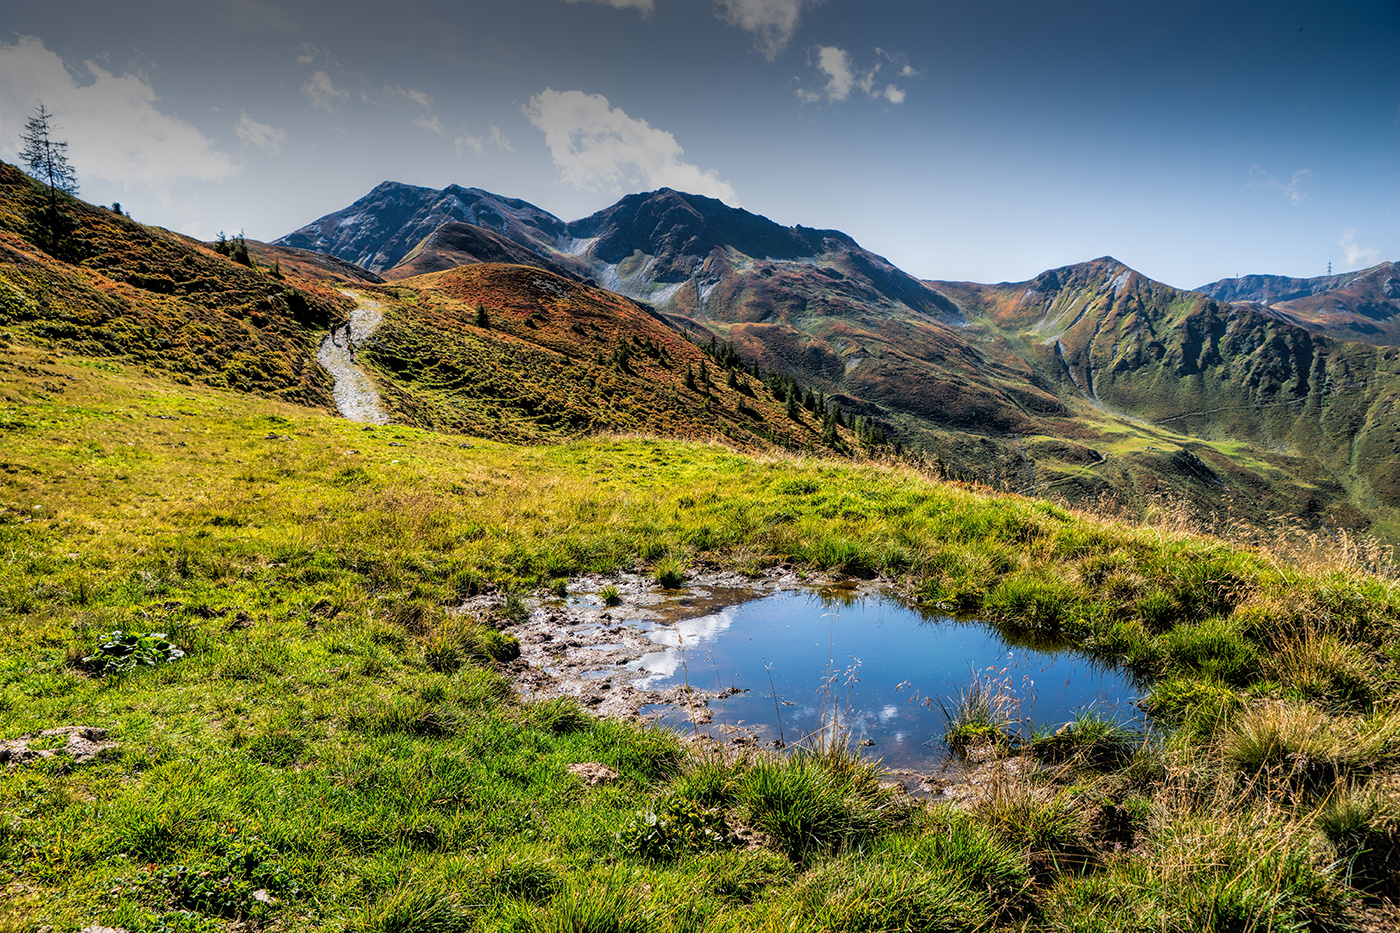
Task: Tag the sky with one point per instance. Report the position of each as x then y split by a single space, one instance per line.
981 140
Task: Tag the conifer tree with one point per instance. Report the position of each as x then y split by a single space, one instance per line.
47 159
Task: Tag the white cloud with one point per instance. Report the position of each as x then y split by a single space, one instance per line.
1293 189
772 22
645 7
478 143
308 53
1357 257
835 65
430 123
258 134
500 140
595 145
113 124
322 92
417 96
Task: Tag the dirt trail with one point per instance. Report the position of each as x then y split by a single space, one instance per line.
355 396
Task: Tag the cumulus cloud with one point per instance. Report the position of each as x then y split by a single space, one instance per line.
114 124
258 134
322 92
1292 189
598 146
772 22
645 7
842 77
1357 257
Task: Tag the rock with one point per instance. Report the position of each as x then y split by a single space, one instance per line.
101 929
593 773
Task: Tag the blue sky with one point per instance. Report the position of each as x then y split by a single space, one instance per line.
984 140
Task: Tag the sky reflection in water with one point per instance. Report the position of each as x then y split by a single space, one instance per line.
878 664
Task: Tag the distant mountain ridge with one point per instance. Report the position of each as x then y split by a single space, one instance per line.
1359 306
384 226
1091 379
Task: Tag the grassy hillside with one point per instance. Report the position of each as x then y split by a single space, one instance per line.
119 288
1310 415
550 359
336 749
522 354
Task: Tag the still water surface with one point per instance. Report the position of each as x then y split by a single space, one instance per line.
877 664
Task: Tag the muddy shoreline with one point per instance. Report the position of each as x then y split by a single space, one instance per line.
579 647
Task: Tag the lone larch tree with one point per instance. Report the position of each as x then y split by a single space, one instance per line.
47 159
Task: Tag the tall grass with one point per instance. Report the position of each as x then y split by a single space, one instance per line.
816 803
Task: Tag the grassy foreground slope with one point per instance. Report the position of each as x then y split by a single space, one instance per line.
337 750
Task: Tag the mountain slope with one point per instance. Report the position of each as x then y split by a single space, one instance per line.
1219 372
119 288
379 230
458 244
1088 381
518 353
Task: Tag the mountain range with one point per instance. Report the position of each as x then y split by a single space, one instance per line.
1260 396
676 315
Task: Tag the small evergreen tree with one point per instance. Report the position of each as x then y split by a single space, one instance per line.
47 159
238 250
829 437
482 318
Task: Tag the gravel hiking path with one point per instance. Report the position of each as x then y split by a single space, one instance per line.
355 395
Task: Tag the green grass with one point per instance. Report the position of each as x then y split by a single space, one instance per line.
336 736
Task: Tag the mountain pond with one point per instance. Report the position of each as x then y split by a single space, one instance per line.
791 661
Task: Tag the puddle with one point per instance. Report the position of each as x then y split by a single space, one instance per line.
875 664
